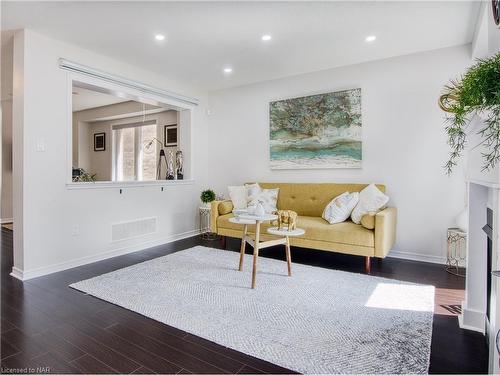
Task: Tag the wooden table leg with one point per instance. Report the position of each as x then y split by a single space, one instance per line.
255 252
288 256
243 243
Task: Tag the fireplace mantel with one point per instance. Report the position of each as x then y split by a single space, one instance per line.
483 193
486 183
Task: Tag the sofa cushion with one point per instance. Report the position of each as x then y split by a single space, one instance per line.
317 229
225 207
347 232
368 220
310 199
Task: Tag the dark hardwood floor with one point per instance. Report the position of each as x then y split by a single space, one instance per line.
48 327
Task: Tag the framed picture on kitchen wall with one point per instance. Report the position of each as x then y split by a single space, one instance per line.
170 135
99 141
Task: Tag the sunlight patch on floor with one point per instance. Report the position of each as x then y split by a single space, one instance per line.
401 297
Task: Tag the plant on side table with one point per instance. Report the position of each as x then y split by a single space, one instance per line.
476 92
207 196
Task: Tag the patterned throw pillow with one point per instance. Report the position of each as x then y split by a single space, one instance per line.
268 198
252 191
240 195
340 208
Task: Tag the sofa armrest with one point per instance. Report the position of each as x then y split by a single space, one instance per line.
214 206
385 231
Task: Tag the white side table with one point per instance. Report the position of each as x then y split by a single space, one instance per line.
247 220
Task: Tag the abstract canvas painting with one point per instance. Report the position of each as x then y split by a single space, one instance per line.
316 131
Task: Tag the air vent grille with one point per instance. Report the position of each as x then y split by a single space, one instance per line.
132 229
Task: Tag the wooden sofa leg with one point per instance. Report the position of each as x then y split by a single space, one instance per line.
368 265
223 241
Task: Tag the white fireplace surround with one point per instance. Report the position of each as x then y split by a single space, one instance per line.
483 191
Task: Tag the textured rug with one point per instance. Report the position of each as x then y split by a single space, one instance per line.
317 321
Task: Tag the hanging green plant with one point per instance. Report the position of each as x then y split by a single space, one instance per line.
476 92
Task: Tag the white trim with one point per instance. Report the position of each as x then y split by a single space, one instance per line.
94 73
126 184
417 257
42 271
116 89
17 273
469 328
471 319
490 184
7 221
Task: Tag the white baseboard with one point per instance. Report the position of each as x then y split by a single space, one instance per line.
17 273
418 257
42 271
471 319
6 221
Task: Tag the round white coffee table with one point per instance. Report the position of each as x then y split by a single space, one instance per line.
246 220
284 232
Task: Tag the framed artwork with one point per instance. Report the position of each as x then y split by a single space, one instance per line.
99 141
317 131
170 135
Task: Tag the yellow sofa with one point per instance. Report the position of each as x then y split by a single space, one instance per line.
309 201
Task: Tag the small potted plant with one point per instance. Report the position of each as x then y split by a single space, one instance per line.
85 177
477 92
207 196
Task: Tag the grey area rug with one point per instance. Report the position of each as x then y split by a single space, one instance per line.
317 321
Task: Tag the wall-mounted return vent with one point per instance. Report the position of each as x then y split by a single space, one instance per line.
132 229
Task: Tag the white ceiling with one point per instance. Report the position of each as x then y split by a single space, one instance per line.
202 38
85 99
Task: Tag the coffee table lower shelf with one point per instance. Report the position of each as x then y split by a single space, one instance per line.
258 245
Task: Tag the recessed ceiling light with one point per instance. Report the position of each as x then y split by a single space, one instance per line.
159 37
228 70
370 38
266 37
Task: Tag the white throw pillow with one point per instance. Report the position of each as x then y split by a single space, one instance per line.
253 190
370 199
238 195
340 208
268 198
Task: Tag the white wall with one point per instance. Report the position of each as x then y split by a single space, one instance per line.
6 100
404 143
61 227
